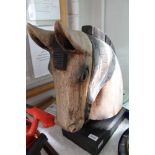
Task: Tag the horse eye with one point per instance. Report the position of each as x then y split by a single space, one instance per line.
84 74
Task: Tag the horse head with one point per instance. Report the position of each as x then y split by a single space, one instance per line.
86 74
70 65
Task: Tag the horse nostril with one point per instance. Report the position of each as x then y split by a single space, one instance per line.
76 125
72 128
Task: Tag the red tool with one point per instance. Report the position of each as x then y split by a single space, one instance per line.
38 115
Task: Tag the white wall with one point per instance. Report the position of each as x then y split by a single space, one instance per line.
117 28
92 13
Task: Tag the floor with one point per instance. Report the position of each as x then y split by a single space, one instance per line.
65 147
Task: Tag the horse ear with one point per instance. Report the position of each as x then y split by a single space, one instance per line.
69 40
41 37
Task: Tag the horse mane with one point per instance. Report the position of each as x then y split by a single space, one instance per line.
101 85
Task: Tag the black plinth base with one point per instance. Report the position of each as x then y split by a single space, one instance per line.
95 134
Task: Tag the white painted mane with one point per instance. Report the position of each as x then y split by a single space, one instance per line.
108 101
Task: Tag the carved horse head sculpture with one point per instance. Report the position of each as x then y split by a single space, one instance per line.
86 73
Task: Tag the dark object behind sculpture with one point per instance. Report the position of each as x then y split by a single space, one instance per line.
123 146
